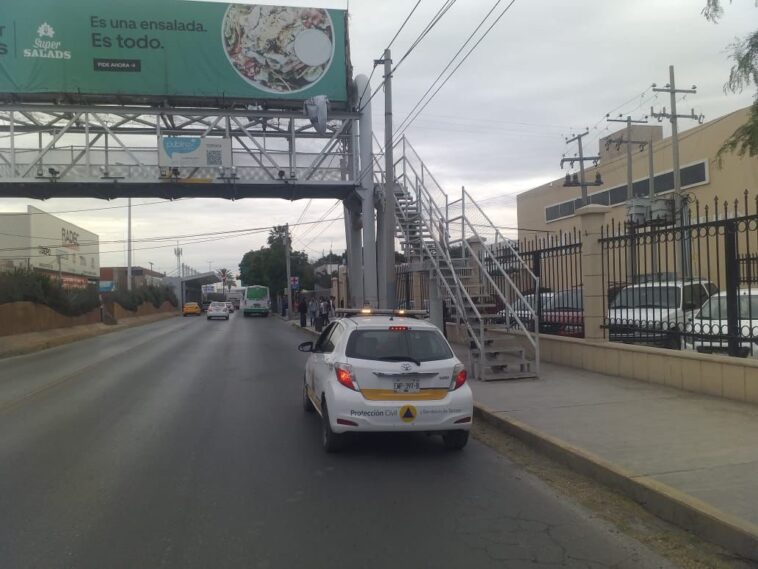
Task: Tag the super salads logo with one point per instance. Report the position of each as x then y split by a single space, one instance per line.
46 46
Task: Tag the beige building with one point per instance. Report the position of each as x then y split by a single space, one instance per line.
550 207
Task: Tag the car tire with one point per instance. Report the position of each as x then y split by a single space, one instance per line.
207 317
227 318
455 440
307 405
184 315
331 441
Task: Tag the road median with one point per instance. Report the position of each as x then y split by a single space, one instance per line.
672 505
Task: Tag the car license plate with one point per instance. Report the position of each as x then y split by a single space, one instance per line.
411 386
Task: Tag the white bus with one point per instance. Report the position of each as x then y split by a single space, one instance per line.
256 301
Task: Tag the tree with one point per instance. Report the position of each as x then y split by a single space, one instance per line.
266 266
744 72
227 278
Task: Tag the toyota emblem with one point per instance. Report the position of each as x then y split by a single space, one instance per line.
406 367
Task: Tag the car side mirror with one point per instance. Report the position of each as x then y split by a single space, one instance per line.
306 347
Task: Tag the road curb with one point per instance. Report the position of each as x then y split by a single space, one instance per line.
689 513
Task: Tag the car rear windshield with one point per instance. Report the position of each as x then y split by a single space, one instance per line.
398 345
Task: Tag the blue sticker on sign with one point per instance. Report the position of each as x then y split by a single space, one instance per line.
181 145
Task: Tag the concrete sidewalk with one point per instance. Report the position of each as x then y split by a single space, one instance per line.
20 344
697 446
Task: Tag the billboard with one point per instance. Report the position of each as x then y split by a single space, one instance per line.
194 152
171 48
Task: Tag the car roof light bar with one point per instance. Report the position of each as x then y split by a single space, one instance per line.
368 311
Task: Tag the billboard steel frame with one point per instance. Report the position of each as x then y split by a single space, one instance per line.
111 151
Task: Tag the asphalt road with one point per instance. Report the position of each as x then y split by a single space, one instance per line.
183 444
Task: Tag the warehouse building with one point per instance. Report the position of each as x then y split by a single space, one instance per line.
40 241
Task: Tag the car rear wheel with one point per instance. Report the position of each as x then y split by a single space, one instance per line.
331 441
455 440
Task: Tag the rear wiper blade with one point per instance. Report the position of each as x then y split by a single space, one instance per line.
400 359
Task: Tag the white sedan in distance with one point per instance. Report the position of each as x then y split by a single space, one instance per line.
217 310
377 370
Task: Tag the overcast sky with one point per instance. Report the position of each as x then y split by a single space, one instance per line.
548 68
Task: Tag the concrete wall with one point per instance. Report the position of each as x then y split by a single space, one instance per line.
25 317
722 376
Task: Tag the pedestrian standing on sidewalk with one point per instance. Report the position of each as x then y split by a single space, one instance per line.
313 310
302 308
324 311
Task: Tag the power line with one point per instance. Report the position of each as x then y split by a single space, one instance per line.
407 18
461 62
166 201
433 22
452 59
229 234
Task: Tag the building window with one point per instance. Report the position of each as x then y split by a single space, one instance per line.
692 175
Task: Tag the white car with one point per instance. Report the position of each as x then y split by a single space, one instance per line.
218 310
655 312
386 373
708 330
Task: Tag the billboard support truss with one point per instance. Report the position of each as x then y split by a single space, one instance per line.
109 151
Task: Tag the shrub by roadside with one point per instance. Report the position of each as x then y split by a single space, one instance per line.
28 285
132 299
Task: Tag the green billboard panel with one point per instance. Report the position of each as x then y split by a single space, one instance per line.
174 49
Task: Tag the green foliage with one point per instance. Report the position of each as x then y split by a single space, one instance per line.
132 299
744 53
267 267
28 285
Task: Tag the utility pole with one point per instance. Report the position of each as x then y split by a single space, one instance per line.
632 257
386 260
682 219
129 247
572 182
629 142
289 269
151 266
178 253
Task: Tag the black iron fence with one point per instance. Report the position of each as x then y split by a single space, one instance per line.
557 261
411 288
686 286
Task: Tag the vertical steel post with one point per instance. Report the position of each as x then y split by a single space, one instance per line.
13 144
585 199
289 270
87 155
732 270
129 246
387 246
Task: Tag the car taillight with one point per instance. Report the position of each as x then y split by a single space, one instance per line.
345 376
459 377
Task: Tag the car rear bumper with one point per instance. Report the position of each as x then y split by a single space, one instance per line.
401 416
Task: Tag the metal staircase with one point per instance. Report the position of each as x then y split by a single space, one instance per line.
462 250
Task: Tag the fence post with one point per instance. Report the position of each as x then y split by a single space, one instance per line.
591 220
732 270
537 270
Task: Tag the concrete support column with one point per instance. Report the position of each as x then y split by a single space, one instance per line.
366 191
354 241
591 220
435 304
